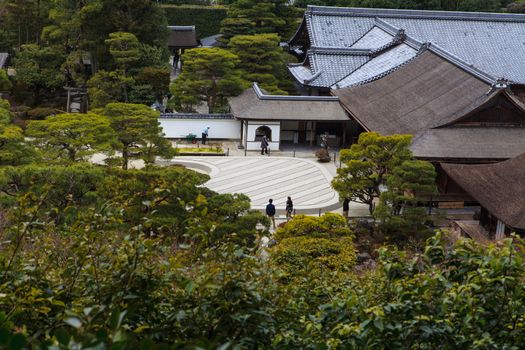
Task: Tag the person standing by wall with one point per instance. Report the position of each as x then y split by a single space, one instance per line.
205 134
289 208
264 145
270 211
346 207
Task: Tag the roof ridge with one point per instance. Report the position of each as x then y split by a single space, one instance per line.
378 12
396 40
262 96
340 50
182 27
366 33
458 62
393 30
377 76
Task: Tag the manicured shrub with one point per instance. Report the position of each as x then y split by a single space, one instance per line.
329 225
41 113
310 253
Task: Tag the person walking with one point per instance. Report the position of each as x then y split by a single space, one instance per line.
346 207
289 208
264 145
270 211
205 134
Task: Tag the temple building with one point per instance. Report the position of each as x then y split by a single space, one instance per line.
499 189
290 119
454 115
453 80
342 47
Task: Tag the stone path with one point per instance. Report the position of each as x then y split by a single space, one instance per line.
261 178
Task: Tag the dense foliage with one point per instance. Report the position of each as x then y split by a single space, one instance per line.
66 42
107 256
247 17
65 283
262 60
206 19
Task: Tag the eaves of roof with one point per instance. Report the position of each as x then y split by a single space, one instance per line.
424 14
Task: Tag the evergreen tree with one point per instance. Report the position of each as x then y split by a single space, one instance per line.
367 164
261 59
139 135
256 17
71 137
39 68
209 74
400 213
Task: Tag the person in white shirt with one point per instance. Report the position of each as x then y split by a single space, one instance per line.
205 134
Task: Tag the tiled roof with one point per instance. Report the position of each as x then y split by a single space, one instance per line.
493 43
378 66
375 54
373 39
332 65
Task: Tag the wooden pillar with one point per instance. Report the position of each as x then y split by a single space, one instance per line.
312 127
246 135
242 132
68 100
344 135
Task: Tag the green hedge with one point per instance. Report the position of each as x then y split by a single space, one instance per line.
207 19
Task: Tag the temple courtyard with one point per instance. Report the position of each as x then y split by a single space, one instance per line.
276 177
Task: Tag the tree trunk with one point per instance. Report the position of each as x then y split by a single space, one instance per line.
371 206
72 154
125 158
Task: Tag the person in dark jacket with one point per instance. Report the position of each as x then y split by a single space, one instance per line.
270 211
264 145
289 208
346 207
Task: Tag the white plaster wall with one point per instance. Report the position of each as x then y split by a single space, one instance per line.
219 128
256 145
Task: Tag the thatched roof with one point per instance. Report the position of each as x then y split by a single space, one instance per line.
254 104
427 92
182 37
462 143
500 187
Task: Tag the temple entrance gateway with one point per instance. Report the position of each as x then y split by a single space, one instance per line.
253 132
263 131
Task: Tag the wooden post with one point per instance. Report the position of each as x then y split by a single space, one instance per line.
245 136
344 135
242 131
68 100
312 126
